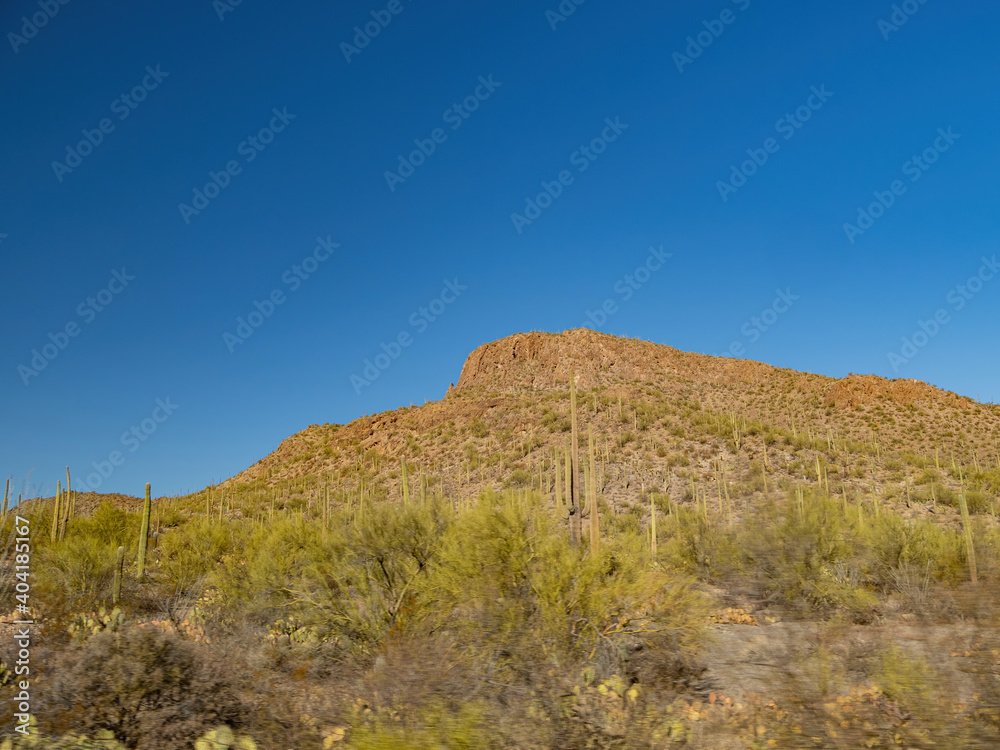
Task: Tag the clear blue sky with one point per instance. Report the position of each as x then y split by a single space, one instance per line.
199 89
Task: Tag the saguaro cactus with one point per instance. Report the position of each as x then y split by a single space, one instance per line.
574 484
54 534
595 516
67 509
567 470
116 588
558 468
6 492
969 548
144 534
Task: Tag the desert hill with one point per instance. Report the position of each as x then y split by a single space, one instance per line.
662 419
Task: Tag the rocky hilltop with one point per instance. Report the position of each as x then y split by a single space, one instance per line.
544 361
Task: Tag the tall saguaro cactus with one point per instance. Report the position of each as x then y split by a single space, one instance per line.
67 509
559 500
567 469
595 516
969 548
144 534
6 492
54 534
574 484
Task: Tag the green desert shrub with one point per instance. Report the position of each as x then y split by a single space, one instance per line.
478 428
908 680
108 526
896 544
803 556
988 481
811 554
256 575
472 455
195 549
74 574
509 582
365 580
433 726
519 478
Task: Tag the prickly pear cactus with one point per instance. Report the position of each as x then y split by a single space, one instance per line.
224 738
333 736
84 626
103 740
292 632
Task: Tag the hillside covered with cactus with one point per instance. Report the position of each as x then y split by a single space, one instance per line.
589 542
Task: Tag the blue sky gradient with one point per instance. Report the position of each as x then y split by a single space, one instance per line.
261 100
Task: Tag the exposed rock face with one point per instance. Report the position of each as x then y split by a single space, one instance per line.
542 361
855 390
539 361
